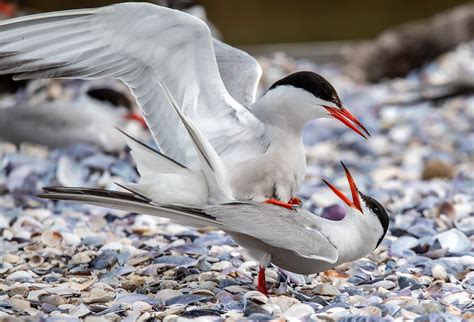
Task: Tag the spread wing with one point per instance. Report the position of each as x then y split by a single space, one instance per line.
240 72
140 44
277 226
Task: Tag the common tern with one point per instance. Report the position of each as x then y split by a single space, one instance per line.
259 141
295 240
61 123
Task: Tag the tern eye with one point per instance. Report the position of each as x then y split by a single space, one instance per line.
376 211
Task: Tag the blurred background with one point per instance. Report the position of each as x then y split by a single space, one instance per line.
405 68
245 22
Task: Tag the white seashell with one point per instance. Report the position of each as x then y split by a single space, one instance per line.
408 315
11 258
439 272
52 299
326 289
298 311
167 294
370 311
5 267
219 266
71 239
98 295
80 311
284 302
51 238
459 298
78 284
19 305
454 240
141 306
112 246
170 318
81 258
36 261
256 297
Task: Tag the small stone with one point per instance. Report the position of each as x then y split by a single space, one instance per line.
437 169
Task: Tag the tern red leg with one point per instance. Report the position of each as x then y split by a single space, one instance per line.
279 203
295 201
262 284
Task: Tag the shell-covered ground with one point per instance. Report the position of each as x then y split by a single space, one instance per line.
63 260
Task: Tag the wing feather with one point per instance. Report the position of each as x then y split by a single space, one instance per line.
140 44
273 225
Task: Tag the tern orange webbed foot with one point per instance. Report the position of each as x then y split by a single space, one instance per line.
295 201
279 203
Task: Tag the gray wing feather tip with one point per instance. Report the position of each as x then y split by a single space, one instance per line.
151 149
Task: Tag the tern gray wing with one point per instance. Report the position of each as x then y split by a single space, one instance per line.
278 227
239 71
140 44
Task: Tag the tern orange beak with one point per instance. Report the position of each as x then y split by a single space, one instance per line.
349 119
355 203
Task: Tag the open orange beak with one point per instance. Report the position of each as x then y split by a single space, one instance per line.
355 203
349 119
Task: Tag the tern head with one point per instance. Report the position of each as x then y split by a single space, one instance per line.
361 204
314 97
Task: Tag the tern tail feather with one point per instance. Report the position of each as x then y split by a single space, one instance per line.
164 180
130 202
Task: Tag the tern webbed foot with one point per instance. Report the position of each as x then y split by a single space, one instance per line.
295 201
279 203
262 284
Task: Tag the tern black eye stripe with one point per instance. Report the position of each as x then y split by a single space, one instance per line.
313 83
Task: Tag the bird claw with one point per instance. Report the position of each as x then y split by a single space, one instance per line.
295 201
279 203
